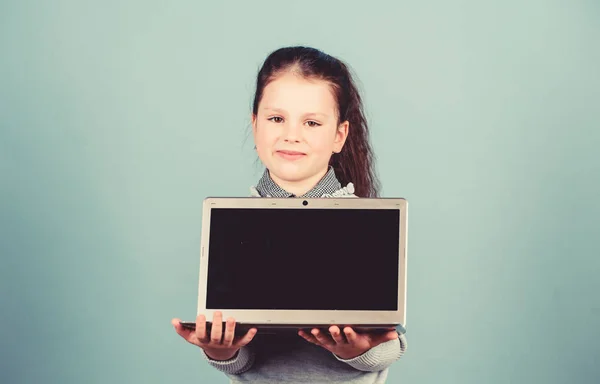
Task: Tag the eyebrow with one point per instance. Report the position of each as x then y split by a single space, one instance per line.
306 114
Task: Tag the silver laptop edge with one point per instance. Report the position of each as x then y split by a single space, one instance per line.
308 318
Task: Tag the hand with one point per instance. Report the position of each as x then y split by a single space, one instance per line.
217 346
349 344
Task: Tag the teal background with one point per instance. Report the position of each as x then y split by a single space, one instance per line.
118 118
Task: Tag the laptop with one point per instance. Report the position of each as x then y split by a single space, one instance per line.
280 264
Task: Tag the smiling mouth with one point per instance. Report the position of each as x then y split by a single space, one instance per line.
291 155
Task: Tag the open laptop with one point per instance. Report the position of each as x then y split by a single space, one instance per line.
294 263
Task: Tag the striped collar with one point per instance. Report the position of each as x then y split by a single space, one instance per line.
327 186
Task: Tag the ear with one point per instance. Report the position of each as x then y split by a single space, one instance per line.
254 122
341 134
253 118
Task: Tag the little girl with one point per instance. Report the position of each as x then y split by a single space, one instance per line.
312 137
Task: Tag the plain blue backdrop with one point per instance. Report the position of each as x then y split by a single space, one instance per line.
118 118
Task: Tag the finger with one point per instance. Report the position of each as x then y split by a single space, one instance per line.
378 337
181 330
391 335
350 335
247 337
188 334
229 332
322 337
309 337
217 328
338 336
200 331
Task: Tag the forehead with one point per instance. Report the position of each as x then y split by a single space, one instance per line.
292 92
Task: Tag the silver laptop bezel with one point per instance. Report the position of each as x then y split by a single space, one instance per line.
268 317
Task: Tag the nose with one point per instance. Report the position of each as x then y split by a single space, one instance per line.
292 132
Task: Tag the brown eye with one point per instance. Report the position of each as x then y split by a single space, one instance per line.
313 124
276 119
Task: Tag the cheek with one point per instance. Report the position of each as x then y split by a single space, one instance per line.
265 139
322 142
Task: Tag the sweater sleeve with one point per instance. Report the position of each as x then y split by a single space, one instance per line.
380 357
240 363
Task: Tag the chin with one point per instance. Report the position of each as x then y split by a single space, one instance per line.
288 173
289 176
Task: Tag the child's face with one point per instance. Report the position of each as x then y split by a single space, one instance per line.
296 129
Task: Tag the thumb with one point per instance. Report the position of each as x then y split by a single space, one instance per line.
382 338
391 335
181 331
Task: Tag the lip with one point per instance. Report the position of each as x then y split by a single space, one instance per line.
291 152
290 155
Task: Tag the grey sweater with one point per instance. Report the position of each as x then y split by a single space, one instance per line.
288 358
291 359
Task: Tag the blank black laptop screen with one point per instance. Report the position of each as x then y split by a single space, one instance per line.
303 259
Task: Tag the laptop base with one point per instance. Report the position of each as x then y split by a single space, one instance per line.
241 328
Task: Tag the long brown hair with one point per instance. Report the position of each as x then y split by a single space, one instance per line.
355 163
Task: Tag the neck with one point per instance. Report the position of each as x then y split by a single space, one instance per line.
299 187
